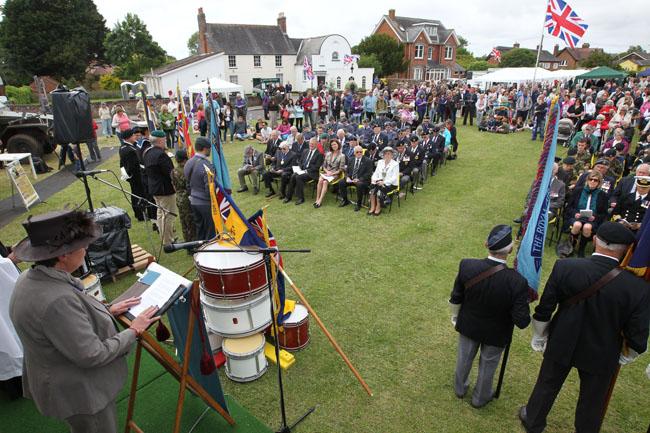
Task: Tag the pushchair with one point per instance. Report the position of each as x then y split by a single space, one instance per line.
564 131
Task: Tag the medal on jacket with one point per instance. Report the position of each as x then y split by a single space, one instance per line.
645 204
605 186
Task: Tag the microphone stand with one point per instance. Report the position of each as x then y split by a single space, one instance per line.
284 427
84 177
141 200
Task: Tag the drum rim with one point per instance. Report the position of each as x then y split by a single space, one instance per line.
249 378
239 334
239 295
245 355
236 270
296 324
256 299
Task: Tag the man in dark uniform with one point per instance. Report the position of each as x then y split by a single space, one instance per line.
587 333
633 206
357 174
378 137
436 150
130 163
282 163
310 162
416 157
485 307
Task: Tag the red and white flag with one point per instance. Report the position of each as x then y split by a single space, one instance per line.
562 22
496 54
308 69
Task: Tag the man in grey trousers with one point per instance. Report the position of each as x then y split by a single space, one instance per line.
487 300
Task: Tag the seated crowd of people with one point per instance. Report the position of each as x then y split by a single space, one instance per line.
380 159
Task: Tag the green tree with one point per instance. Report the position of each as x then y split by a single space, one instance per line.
389 54
633 49
129 45
193 44
478 65
518 57
50 37
109 82
370 61
598 58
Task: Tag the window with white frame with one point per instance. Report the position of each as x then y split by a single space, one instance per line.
449 53
233 79
430 74
338 82
363 82
430 53
419 51
417 73
432 30
335 56
257 61
278 61
232 61
562 62
280 77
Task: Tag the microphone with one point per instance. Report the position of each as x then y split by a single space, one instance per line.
90 172
170 248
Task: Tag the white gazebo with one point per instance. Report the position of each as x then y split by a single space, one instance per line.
215 85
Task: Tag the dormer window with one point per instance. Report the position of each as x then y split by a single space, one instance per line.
432 30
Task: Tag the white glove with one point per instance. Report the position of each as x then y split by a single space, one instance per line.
540 335
625 359
647 371
454 309
124 176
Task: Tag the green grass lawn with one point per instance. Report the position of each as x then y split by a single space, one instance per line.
381 286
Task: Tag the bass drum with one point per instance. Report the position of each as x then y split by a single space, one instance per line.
230 275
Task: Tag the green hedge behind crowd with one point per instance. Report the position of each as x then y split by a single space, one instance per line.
20 95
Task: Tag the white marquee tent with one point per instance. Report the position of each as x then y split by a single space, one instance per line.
516 75
216 85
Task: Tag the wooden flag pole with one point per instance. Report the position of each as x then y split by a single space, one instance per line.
327 333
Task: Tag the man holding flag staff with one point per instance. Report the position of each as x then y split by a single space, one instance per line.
488 299
602 321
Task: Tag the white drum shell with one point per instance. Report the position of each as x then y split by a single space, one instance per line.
94 288
245 367
237 317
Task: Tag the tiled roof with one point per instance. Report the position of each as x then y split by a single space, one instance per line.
408 29
309 47
182 62
234 39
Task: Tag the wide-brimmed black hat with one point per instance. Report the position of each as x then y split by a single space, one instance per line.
56 233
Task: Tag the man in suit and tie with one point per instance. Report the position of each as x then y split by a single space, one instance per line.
358 173
299 145
437 149
416 159
253 165
282 163
272 146
309 164
589 308
378 137
487 301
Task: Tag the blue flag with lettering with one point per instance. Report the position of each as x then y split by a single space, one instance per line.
531 248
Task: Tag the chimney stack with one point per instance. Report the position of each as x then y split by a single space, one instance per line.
515 45
585 45
391 14
282 22
556 49
203 37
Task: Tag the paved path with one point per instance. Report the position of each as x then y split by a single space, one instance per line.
47 188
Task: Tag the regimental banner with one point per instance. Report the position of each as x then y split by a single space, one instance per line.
22 183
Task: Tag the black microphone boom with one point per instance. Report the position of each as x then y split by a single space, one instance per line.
170 248
81 173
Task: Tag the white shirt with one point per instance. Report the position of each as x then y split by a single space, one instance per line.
604 255
496 260
11 350
388 173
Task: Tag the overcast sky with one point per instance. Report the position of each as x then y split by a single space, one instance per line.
613 25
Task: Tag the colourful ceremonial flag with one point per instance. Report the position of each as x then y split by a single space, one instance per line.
182 127
216 152
258 222
562 22
308 69
496 54
531 249
347 58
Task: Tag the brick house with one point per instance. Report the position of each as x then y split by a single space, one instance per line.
429 47
546 59
571 57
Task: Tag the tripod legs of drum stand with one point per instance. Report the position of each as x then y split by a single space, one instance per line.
284 428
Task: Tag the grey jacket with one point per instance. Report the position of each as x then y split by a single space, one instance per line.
75 359
197 179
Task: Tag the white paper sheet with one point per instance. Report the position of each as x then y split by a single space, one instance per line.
160 290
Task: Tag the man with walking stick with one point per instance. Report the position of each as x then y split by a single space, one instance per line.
487 300
602 321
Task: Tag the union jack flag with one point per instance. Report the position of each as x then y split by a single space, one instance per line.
347 58
308 69
496 54
562 22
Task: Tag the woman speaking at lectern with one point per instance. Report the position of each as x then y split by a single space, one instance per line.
74 356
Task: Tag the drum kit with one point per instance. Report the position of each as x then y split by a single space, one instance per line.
237 309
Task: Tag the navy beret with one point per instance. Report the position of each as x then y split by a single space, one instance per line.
615 233
500 237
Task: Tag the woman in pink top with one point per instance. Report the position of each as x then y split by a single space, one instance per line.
121 122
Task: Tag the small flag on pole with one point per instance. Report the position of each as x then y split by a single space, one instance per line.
496 54
562 22
347 58
308 69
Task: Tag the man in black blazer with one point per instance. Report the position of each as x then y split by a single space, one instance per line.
282 163
416 160
587 334
310 161
628 184
272 146
484 314
358 173
378 137
436 150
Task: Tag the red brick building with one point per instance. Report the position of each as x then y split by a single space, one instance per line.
429 47
570 57
546 59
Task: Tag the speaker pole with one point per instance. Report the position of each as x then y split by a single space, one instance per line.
84 179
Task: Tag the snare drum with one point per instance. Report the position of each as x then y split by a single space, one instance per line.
295 334
230 275
93 287
236 317
215 341
245 360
